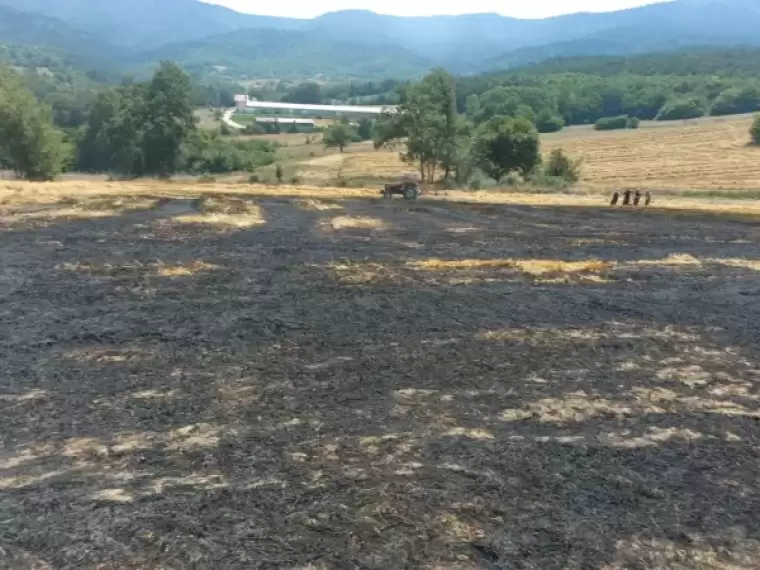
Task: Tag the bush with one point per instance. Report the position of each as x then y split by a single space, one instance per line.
545 180
255 128
755 131
210 153
560 166
295 179
681 109
207 179
476 184
513 179
278 173
549 122
254 179
612 123
633 123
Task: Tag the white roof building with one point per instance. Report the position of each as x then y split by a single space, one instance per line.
347 109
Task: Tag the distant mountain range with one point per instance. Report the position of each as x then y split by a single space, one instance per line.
207 38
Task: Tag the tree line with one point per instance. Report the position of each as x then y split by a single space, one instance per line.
554 100
497 135
129 130
433 135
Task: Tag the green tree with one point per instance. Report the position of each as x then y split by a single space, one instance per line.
506 144
95 150
30 144
548 121
755 131
339 135
306 93
686 108
366 129
427 124
168 117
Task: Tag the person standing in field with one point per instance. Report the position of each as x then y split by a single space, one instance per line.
627 198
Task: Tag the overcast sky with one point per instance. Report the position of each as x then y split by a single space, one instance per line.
516 8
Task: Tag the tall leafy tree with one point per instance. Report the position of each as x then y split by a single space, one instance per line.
168 118
113 140
30 144
339 135
427 123
506 144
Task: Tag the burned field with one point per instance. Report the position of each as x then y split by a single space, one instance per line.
256 382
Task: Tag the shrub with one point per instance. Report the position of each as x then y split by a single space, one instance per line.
255 128
560 166
295 179
542 179
210 153
476 184
513 179
207 179
278 173
633 123
681 109
612 123
254 179
755 131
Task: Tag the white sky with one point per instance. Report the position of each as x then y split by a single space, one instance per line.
516 8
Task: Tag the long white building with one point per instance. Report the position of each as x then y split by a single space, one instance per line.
242 102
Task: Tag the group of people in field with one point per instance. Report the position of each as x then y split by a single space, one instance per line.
632 198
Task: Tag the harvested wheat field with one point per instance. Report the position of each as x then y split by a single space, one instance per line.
212 379
706 154
700 155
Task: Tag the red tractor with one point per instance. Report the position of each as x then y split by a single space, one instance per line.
410 190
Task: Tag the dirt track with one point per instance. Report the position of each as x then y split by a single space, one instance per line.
282 383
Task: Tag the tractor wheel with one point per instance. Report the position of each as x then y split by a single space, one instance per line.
411 193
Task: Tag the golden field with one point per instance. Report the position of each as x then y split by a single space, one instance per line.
705 154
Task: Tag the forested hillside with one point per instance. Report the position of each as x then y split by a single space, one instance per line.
722 62
19 28
146 24
277 53
201 36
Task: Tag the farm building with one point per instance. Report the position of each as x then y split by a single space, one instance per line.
243 103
